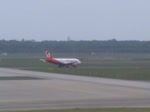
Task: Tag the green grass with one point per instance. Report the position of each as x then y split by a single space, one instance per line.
92 110
130 68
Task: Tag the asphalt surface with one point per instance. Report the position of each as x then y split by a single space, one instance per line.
20 89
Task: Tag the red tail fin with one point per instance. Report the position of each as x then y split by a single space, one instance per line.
48 55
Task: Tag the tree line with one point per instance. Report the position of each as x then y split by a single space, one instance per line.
109 46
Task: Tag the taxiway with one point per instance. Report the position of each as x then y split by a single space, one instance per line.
21 89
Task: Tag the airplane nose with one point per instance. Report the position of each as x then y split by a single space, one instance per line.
79 62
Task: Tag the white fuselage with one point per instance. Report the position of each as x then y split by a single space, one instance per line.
68 60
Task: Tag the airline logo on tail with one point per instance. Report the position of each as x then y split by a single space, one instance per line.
66 62
48 55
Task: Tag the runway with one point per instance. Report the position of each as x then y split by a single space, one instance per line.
20 89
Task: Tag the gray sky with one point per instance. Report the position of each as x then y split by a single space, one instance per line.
78 19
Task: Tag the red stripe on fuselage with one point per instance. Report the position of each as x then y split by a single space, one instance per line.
53 60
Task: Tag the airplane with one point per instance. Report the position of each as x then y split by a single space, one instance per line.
61 62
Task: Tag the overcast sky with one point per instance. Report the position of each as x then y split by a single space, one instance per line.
77 19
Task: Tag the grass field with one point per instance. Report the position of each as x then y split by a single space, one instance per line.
121 66
92 110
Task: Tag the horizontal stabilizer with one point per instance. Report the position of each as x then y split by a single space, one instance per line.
42 60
